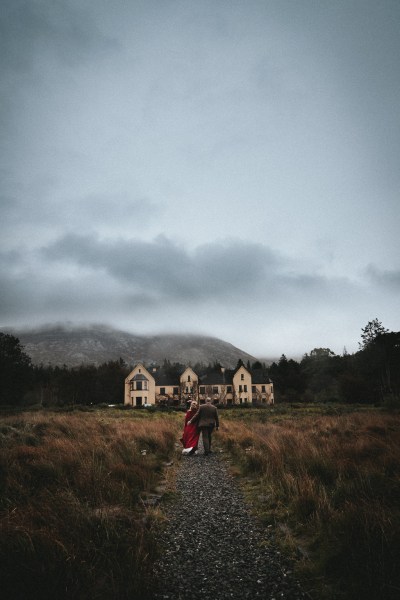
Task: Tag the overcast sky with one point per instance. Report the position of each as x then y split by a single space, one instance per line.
223 167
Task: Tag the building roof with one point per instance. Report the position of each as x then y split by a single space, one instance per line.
216 378
259 376
165 378
139 377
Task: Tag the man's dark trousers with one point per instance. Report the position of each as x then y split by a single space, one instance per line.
206 435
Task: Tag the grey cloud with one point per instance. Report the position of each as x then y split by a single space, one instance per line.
136 262
219 269
36 39
158 285
89 213
56 28
272 122
226 270
235 263
115 208
385 278
30 296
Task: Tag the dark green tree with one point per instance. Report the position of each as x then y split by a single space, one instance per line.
379 364
15 370
321 369
289 381
257 365
110 381
370 332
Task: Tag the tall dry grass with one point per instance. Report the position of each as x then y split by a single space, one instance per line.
72 524
332 484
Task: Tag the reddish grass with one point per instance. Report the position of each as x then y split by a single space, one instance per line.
71 522
334 481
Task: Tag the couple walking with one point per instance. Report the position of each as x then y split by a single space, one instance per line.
198 420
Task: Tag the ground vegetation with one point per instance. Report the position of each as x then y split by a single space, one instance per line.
326 479
74 522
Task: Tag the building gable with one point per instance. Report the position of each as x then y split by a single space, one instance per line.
139 371
189 376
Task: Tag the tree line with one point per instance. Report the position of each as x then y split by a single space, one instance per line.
23 383
370 375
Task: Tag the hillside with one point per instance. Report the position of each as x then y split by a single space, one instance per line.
73 346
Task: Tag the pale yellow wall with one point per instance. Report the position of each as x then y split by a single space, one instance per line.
190 380
267 396
221 394
188 372
169 390
242 378
148 396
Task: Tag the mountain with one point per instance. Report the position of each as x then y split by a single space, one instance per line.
73 346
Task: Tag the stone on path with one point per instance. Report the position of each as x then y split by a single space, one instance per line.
213 549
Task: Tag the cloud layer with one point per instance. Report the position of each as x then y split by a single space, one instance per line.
224 288
226 167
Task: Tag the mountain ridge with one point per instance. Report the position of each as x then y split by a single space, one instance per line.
74 345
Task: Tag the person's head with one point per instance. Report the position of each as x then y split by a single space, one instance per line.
208 400
193 405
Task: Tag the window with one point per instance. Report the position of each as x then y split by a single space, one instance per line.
139 385
162 391
188 377
263 388
229 389
215 389
240 389
245 388
242 377
176 391
202 389
253 389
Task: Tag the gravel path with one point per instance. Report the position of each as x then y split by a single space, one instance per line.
213 547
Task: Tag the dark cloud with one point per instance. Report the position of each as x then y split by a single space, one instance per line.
29 29
217 288
389 279
225 270
36 39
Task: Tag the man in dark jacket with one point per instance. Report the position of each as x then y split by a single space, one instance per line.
206 419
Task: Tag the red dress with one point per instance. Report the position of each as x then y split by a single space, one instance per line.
191 434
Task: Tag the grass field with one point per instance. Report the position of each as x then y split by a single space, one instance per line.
326 479
330 485
72 522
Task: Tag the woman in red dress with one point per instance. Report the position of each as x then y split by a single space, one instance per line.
190 437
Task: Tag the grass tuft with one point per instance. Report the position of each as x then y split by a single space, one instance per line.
72 523
331 485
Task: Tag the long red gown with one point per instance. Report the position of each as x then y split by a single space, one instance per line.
191 434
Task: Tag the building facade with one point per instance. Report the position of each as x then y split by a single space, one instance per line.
155 386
